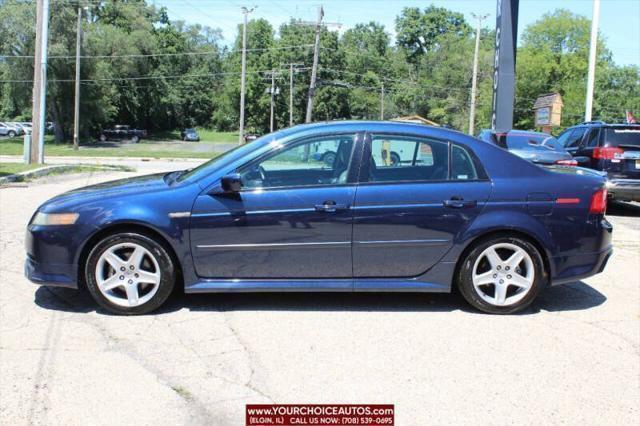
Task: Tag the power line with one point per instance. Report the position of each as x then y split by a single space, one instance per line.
148 55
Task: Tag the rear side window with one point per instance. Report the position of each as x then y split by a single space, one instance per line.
462 166
592 138
398 159
622 137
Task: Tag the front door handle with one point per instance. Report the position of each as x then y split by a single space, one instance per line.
459 203
330 207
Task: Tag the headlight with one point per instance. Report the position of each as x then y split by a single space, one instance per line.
54 219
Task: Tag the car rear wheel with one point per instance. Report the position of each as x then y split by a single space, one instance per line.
502 275
328 158
129 274
103 138
395 159
135 139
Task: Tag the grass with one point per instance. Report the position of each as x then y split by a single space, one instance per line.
152 149
7 169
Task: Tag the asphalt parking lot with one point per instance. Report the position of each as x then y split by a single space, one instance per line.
571 358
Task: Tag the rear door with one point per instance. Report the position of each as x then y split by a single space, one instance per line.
591 141
406 215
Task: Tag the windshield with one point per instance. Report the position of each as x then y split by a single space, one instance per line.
229 156
527 141
622 136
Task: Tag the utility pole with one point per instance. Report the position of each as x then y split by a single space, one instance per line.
292 68
382 100
76 107
273 93
39 82
290 95
314 69
474 80
316 55
591 76
245 12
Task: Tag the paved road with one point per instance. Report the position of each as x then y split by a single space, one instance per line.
572 358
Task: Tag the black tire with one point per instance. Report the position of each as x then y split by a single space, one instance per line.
103 138
464 280
395 159
167 271
12 134
329 158
135 139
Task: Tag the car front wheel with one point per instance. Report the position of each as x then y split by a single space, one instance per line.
12 134
129 274
502 275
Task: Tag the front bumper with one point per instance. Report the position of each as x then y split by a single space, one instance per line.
52 253
51 274
624 189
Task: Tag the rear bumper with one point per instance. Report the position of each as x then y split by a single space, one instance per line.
579 265
624 189
50 274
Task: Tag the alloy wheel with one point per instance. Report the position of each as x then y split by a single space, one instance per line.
503 274
127 274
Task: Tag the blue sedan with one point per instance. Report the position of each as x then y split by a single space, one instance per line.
269 216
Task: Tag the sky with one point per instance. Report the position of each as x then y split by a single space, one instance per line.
619 19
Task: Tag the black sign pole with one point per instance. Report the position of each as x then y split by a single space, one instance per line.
504 65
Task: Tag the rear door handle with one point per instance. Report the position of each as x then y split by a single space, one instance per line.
330 207
459 203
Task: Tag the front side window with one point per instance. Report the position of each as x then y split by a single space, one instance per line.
573 141
318 161
397 159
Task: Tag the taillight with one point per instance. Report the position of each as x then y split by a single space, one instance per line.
567 162
606 153
598 202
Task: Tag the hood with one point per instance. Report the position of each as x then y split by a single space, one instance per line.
121 187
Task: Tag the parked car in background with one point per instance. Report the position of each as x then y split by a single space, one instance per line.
250 137
537 147
613 149
27 125
121 131
389 153
7 129
190 134
266 217
20 126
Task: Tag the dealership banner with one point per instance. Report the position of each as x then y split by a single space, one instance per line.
319 414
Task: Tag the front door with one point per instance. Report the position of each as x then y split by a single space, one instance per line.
293 218
408 213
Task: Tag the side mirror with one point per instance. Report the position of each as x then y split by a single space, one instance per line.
231 184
